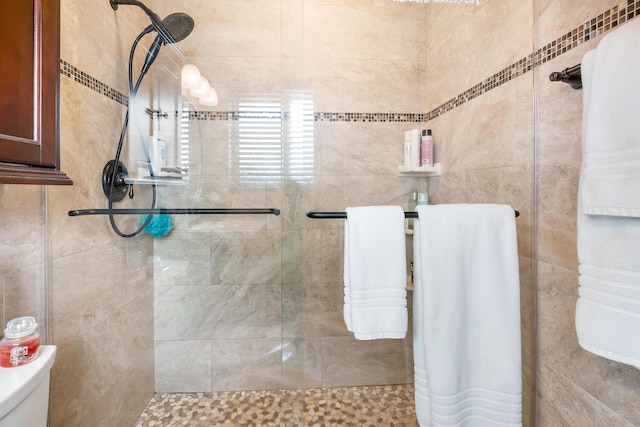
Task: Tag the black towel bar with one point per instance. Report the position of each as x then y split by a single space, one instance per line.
571 75
183 211
343 215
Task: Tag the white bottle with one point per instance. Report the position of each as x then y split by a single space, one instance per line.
407 149
415 148
158 154
426 148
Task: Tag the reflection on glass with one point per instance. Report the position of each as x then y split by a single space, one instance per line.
275 138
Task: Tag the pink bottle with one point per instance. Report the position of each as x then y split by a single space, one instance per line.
426 148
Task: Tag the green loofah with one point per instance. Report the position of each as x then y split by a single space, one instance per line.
160 225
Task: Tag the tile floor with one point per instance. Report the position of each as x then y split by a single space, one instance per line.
388 405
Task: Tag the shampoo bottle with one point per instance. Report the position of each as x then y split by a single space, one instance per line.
426 148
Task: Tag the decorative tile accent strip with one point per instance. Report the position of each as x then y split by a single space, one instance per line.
85 79
369 117
589 30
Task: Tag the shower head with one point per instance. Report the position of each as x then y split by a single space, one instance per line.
172 29
178 25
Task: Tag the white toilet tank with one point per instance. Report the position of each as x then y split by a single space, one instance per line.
24 391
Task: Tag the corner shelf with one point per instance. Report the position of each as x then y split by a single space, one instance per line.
157 180
423 171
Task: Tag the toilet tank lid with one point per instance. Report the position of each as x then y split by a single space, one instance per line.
18 382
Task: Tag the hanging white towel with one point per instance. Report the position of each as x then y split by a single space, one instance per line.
375 273
467 317
610 177
608 306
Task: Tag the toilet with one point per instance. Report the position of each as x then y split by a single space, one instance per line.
24 391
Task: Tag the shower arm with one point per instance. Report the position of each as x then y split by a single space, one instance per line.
155 19
116 3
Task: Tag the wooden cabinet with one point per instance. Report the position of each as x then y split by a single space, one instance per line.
29 92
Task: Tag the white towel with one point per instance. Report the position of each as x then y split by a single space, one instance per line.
608 306
610 178
375 273
467 317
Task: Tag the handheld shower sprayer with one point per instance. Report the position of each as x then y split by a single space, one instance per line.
174 28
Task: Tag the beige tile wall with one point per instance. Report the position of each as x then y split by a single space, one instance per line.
22 254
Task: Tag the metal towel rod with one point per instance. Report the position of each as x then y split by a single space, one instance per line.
183 211
571 75
343 215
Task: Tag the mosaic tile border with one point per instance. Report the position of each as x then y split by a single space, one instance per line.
318 117
85 79
589 30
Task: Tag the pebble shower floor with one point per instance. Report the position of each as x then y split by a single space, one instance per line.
388 405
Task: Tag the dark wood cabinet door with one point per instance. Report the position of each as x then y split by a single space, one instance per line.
29 92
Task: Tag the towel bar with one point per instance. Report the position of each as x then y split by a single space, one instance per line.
161 211
343 215
571 75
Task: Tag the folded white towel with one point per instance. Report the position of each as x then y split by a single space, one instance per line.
610 176
608 307
375 273
467 316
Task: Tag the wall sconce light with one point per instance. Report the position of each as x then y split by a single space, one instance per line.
211 100
197 86
202 90
190 77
